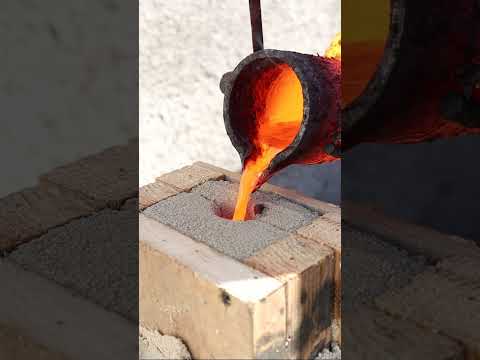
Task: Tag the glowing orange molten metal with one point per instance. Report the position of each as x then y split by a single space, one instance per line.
279 114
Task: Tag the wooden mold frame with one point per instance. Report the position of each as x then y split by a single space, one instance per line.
282 302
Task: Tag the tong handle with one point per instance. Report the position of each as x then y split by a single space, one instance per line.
256 24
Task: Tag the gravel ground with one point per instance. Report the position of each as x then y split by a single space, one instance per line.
185 48
332 353
153 345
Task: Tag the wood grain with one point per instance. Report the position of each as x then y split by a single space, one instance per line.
220 308
326 230
307 269
109 178
31 212
186 178
152 193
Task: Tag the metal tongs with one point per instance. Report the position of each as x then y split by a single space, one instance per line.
256 25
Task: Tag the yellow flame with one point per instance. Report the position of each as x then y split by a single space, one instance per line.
335 48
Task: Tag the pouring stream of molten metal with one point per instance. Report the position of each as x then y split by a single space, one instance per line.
278 121
279 114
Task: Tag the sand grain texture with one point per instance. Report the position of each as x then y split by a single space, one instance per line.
370 266
74 257
153 345
195 215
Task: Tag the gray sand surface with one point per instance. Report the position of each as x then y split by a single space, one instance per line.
74 256
277 211
370 266
195 214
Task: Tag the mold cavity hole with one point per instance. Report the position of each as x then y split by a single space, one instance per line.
226 211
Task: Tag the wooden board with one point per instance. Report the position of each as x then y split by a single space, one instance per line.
109 178
31 212
307 270
326 230
184 179
219 307
150 194
413 238
50 316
